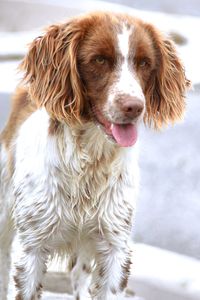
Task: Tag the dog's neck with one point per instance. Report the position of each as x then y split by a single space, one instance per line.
88 141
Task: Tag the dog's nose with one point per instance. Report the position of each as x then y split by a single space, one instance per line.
132 107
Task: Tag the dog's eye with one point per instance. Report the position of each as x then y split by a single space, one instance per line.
144 63
100 60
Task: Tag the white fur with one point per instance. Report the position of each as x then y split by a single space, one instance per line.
126 82
123 40
71 198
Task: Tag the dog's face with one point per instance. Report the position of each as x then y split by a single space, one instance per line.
109 68
115 62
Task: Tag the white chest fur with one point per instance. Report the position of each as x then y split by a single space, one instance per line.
70 183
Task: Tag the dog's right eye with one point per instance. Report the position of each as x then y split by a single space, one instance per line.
144 63
100 60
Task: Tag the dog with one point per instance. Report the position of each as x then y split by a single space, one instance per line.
69 152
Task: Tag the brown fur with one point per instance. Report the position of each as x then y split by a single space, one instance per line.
53 127
18 297
167 85
125 274
51 71
21 109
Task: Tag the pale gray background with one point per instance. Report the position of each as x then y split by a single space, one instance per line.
187 7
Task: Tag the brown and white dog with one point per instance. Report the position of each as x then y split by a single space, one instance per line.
68 176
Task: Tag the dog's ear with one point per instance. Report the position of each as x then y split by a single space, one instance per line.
165 93
51 74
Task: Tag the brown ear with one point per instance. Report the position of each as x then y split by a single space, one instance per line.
51 73
165 94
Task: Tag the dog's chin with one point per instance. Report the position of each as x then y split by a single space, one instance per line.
123 134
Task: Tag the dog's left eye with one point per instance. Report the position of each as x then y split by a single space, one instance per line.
100 60
144 63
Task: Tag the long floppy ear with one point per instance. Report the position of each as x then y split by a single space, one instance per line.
165 93
50 71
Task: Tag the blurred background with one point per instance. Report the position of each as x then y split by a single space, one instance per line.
168 210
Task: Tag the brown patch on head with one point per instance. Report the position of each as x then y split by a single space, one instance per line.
160 73
63 68
152 58
97 58
142 53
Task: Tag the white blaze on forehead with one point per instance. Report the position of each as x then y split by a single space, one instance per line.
123 40
126 82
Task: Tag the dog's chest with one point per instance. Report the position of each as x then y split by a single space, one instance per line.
87 167
84 180
65 184
82 191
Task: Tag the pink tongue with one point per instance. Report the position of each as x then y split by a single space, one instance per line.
125 135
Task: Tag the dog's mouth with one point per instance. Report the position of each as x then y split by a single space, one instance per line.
124 134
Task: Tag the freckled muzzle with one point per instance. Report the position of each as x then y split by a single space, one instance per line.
125 112
120 124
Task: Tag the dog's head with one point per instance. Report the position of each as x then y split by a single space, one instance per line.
109 68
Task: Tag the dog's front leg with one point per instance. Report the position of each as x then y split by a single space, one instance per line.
111 274
29 272
35 225
113 251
